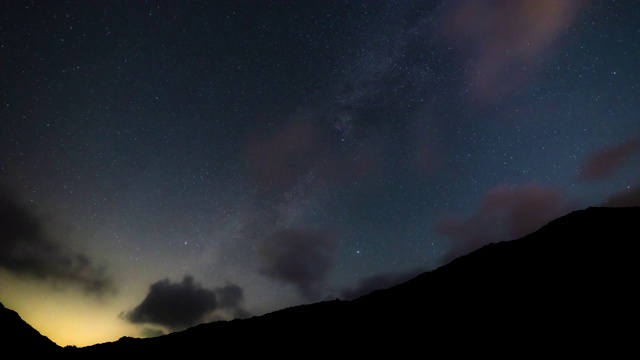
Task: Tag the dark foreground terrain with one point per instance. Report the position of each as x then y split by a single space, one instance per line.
567 289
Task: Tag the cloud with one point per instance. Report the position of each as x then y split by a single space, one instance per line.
506 213
297 257
507 38
178 306
296 156
230 298
376 282
604 163
27 250
629 197
148 332
280 160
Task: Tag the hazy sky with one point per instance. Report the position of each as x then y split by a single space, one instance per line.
166 163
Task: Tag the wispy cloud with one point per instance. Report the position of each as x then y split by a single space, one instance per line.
506 213
604 163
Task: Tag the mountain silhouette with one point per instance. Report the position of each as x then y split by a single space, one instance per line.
17 335
567 289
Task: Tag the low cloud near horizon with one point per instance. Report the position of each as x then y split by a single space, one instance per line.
377 282
603 164
28 249
298 257
506 213
625 198
178 306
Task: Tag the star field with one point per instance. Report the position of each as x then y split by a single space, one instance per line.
226 159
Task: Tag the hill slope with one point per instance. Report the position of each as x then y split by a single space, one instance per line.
17 335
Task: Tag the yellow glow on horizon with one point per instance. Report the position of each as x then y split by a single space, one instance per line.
67 317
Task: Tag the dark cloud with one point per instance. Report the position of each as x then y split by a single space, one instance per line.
376 282
629 197
604 163
506 213
297 257
26 249
230 298
178 306
148 332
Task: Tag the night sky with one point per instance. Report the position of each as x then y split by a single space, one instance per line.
167 163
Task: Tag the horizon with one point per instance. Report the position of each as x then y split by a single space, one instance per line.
604 228
225 159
